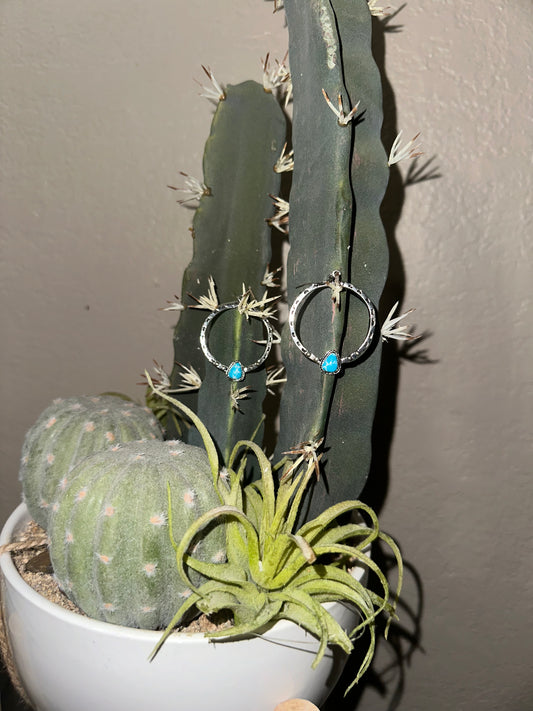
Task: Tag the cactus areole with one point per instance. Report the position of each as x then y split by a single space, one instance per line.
109 530
69 430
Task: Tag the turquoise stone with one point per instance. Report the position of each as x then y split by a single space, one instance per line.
235 371
330 364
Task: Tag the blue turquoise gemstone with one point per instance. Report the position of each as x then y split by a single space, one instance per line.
330 363
235 371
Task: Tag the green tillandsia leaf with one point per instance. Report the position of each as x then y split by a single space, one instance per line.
307 613
194 529
231 244
217 596
310 614
331 583
362 599
347 532
320 222
232 479
207 441
367 658
376 602
343 639
236 544
288 497
298 497
223 572
285 495
189 603
283 557
331 589
295 560
252 625
267 481
252 542
399 561
349 433
329 543
323 521
253 504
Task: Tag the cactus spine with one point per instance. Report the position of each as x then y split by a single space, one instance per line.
69 430
109 530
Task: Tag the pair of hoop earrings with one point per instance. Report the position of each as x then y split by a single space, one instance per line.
330 364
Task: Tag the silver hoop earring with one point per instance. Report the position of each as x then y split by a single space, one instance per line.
235 371
332 362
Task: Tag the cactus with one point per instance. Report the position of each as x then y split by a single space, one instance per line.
231 245
340 176
109 530
334 224
69 430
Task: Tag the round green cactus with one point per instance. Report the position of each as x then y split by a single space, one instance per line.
69 430
110 542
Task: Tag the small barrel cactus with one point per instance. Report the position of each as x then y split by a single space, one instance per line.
109 533
69 430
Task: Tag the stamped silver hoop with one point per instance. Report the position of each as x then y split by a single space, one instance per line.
236 371
332 362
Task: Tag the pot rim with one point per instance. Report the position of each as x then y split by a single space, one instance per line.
20 516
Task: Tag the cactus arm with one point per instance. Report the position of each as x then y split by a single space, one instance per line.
320 213
333 51
247 135
352 414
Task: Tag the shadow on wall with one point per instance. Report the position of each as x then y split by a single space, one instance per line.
402 642
414 351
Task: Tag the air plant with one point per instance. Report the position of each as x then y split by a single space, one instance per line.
275 570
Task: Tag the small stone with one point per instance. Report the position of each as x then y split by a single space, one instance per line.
235 371
330 363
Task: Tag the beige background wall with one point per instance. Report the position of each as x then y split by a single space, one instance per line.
99 112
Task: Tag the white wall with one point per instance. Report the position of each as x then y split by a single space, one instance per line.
99 113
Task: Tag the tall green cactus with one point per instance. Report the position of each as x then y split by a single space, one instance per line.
231 245
340 176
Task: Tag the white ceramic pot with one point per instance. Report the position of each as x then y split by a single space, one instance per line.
67 661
